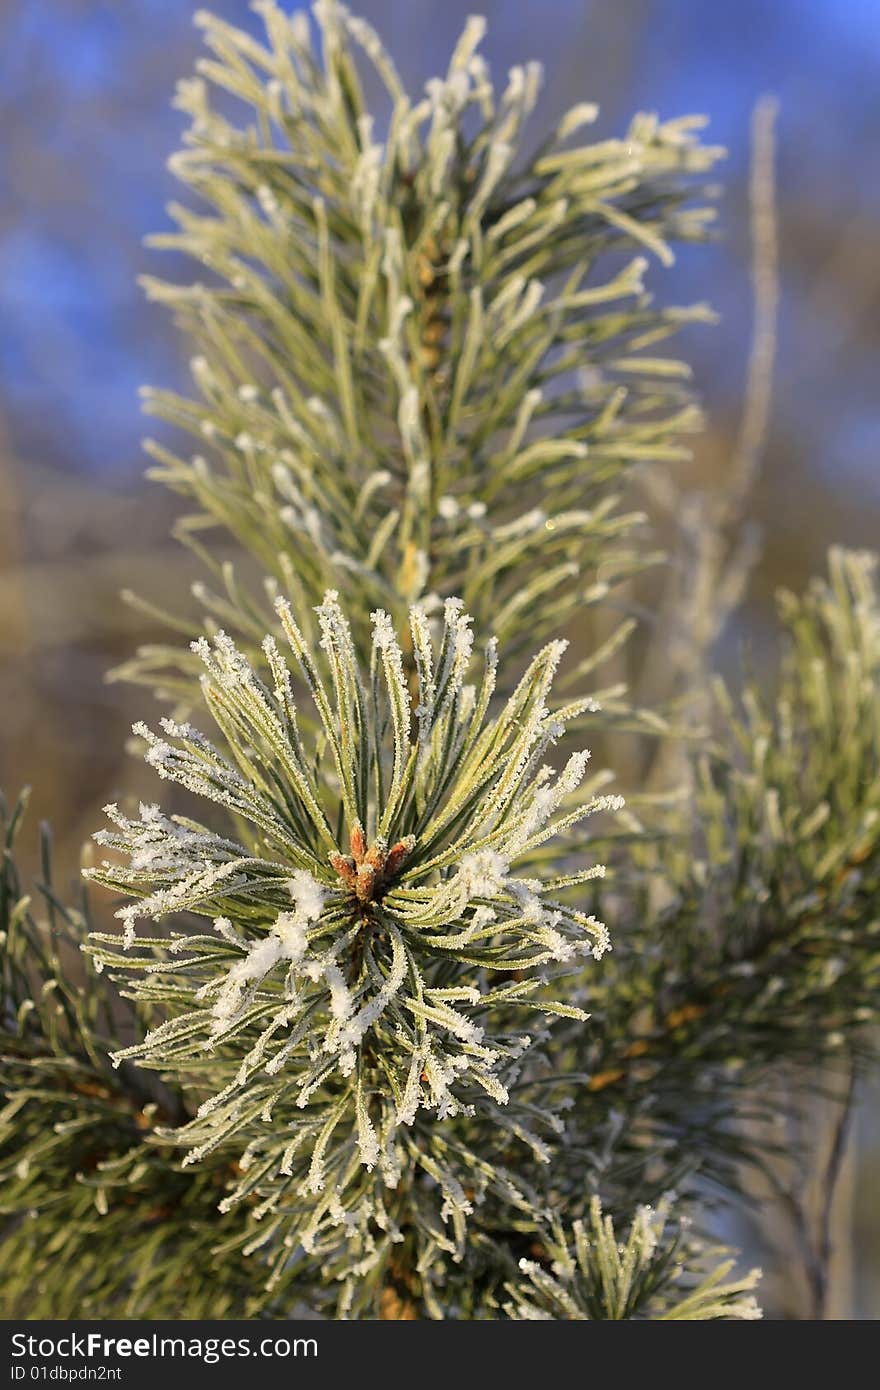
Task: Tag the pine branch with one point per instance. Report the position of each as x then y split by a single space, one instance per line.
422 367
378 939
96 1217
659 1273
395 1075
767 951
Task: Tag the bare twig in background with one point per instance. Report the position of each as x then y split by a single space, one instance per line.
724 550
809 1202
840 1137
755 419
714 548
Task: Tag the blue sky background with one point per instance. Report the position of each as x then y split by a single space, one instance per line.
86 89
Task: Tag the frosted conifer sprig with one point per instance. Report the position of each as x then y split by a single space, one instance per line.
659 1272
768 950
425 356
96 1217
379 937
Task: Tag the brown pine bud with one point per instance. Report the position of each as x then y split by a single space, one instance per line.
375 855
365 883
358 842
398 854
345 868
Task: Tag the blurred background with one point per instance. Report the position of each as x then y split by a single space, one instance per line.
85 89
